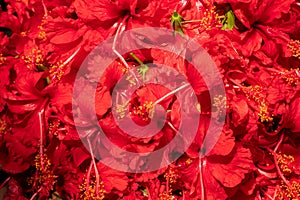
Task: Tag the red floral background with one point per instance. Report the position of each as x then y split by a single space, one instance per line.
255 45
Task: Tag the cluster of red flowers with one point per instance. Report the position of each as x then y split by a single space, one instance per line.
255 46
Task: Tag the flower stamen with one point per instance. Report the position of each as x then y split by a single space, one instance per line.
57 70
294 46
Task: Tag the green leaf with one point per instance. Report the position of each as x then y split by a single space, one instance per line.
229 21
143 69
176 22
144 191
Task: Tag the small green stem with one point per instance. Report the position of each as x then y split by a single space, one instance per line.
136 58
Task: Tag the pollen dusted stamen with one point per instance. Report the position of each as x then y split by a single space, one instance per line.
44 178
294 46
3 127
220 103
209 20
256 93
57 70
291 77
56 128
171 178
165 196
171 175
286 163
131 79
42 34
2 59
35 59
89 192
292 192
279 172
121 110
92 187
145 111
53 127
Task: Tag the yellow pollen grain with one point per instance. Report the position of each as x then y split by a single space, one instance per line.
285 192
57 71
210 19
2 59
285 163
171 175
290 77
220 103
2 127
256 93
294 46
90 190
144 111
45 177
34 59
165 196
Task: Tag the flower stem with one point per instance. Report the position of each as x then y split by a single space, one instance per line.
276 162
66 62
35 194
172 127
201 179
121 25
273 70
4 183
297 72
88 176
136 58
278 169
45 8
275 194
168 185
279 143
267 195
119 31
185 2
95 167
191 21
41 138
71 57
170 93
